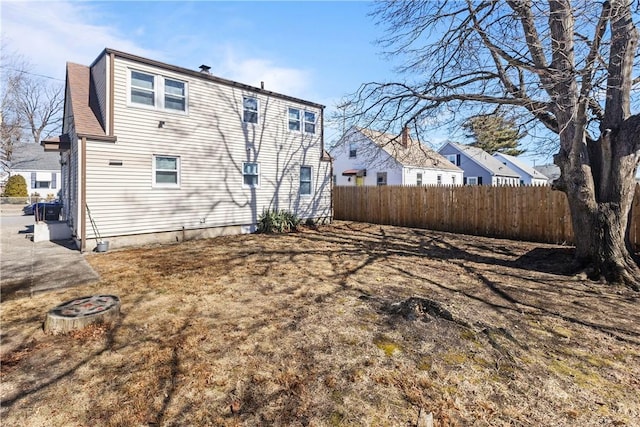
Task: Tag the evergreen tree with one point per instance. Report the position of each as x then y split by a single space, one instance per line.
16 187
494 134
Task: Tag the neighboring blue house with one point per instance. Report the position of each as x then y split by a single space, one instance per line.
480 168
528 175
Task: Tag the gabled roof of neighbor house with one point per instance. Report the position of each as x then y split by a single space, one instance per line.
484 159
415 154
522 166
32 157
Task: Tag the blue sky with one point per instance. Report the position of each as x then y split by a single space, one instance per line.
319 51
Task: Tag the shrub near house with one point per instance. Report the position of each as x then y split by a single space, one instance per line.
16 189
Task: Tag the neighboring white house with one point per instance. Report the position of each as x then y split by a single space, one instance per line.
41 170
528 175
480 168
155 152
368 157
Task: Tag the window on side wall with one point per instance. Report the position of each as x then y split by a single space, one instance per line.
175 95
143 87
157 91
472 180
453 180
251 174
353 150
250 109
166 171
309 122
305 180
294 119
454 158
439 179
419 179
381 178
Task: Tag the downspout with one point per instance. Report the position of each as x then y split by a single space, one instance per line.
83 194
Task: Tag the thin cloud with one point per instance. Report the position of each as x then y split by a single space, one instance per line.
50 33
253 71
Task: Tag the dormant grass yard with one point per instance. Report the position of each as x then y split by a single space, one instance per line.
350 325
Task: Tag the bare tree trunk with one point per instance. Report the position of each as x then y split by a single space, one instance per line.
600 200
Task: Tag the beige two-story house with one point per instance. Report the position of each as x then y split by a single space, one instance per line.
153 152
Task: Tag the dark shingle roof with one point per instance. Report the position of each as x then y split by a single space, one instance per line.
32 157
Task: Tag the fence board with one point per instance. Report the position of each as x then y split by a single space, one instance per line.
536 214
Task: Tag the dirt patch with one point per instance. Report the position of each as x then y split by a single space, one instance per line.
352 324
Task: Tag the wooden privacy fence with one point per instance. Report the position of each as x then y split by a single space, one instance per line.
536 214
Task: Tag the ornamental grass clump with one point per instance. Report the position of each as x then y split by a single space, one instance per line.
277 221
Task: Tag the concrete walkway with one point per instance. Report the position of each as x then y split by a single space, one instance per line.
27 267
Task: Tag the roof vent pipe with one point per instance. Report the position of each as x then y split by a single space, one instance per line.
205 69
261 85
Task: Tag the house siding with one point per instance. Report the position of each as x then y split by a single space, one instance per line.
369 157
212 143
99 82
47 174
525 176
470 168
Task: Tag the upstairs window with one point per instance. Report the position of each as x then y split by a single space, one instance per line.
166 171
309 122
143 88
250 109
353 150
174 95
156 91
294 119
305 180
251 174
300 120
454 158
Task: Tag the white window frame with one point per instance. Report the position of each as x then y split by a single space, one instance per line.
157 184
353 150
453 180
310 181
381 175
244 110
246 174
142 89
439 179
159 92
302 121
453 158
298 121
419 178
305 122
472 178
172 95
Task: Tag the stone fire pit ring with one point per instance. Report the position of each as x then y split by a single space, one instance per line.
81 312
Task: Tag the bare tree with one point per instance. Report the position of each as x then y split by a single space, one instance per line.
567 67
30 108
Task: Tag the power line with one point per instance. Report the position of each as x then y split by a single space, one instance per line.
33 74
